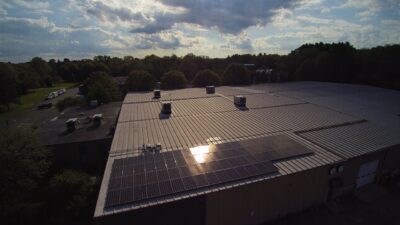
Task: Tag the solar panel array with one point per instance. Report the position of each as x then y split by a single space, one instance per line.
152 175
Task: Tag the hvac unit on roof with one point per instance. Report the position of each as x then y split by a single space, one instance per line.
210 89
157 93
239 100
97 119
71 124
166 108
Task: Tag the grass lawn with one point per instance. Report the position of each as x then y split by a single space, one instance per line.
31 99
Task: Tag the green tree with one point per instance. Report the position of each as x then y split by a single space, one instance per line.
173 80
140 80
235 74
101 87
188 67
23 166
102 67
43 69
206 77
72 193
8 85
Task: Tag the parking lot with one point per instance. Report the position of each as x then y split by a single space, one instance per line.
34 117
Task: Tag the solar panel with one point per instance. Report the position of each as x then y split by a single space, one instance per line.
153 175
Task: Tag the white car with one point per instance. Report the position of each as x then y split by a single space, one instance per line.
61 91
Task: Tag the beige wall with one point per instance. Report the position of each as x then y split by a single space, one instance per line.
264 201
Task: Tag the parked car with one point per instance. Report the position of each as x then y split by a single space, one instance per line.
45 105
61 91
52 95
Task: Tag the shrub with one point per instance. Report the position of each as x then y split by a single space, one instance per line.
140 80
69 102
72 192
173 80
206 77
235 74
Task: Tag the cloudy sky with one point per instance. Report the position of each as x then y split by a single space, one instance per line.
215 28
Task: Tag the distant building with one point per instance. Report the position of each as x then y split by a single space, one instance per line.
76 138
292 146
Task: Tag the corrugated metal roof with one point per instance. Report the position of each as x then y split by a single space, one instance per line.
268 100
185 107
380 106
189 93
353 140
196 130
325 115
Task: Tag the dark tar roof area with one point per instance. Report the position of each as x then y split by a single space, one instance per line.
54 131
332 121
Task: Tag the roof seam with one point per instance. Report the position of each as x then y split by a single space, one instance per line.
220 112
331 126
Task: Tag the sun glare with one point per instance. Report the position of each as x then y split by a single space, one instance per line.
200 153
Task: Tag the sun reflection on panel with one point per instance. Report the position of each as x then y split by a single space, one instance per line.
200 153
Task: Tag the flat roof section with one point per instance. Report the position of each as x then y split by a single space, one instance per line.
53 131
156 174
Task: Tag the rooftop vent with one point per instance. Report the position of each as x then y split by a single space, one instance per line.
239 100
97 119
157 93
166 107
71 124
210 89
152 148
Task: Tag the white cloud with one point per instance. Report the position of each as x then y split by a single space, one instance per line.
216 28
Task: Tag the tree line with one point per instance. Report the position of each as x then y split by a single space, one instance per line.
336 62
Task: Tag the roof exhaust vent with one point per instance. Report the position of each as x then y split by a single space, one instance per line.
239 100
157 93
97 119
71 124
166 107
210 89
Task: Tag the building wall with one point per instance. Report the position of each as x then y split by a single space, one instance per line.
89 156
264 201
349 176
391 165
183 212
389 160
